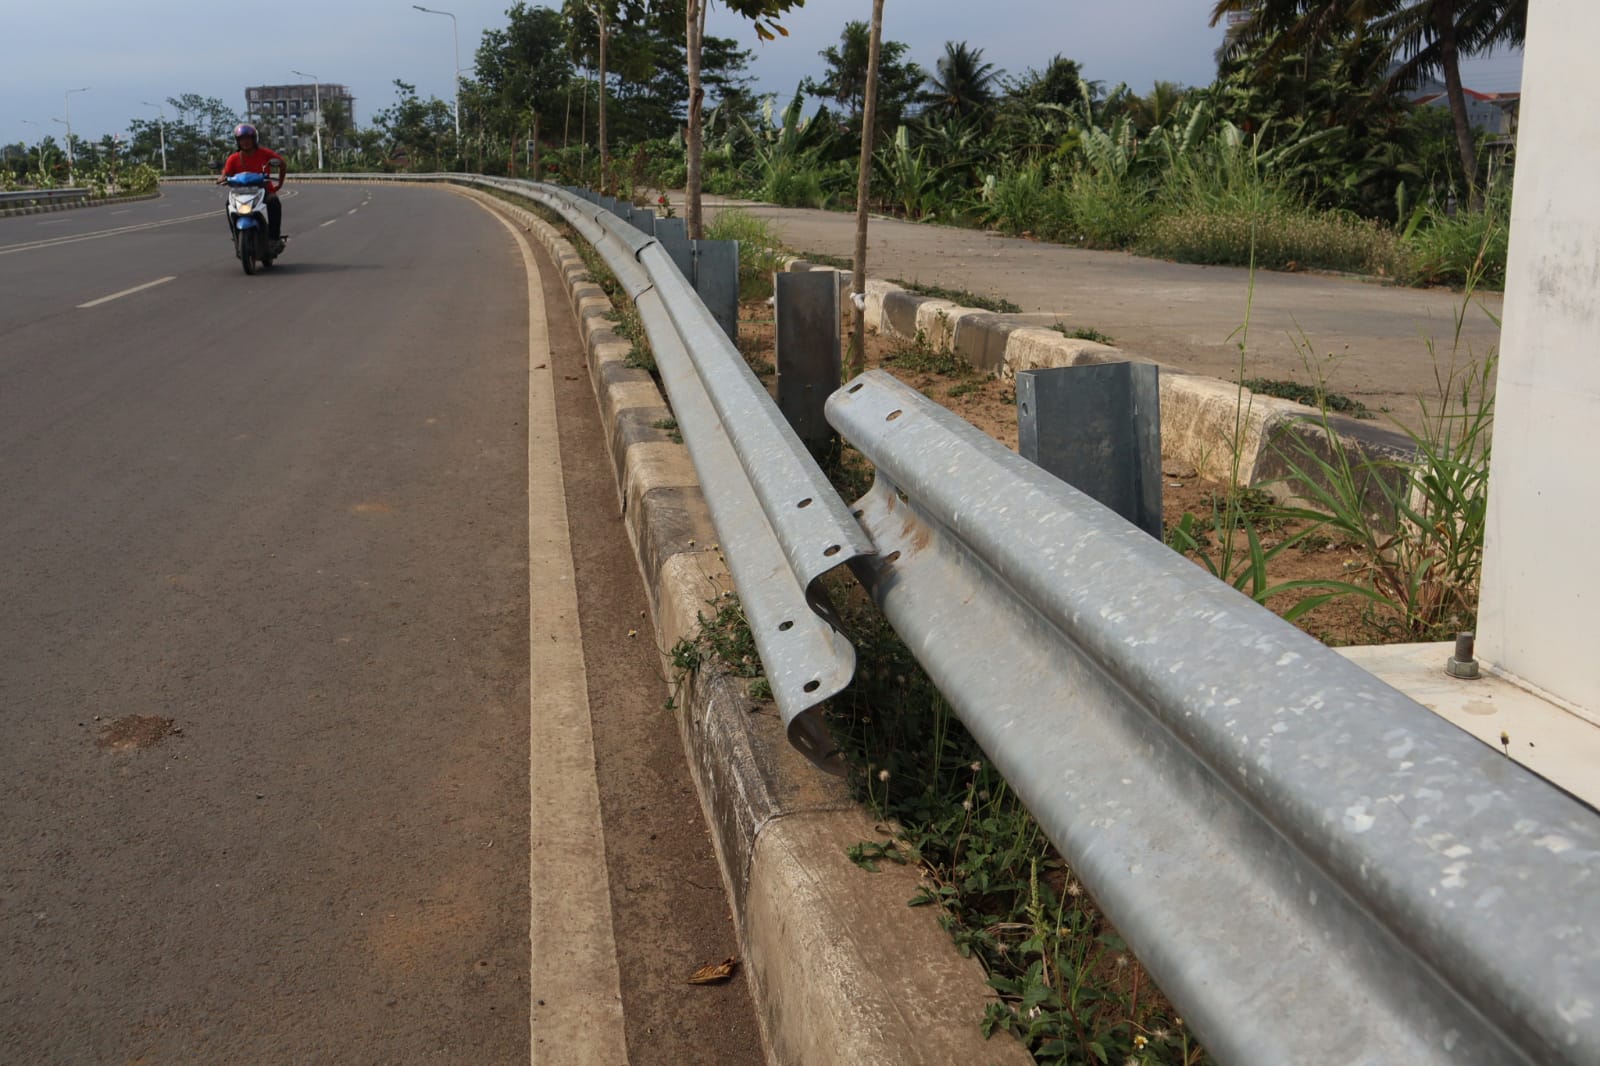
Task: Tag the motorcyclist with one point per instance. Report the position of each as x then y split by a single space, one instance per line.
251 158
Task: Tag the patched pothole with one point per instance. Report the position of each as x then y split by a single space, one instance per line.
135 732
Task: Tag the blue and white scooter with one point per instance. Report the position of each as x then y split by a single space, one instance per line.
247 220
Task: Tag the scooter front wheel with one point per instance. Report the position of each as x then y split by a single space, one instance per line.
247 250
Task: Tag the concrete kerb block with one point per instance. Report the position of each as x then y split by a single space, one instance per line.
804 868
1037 348
936 320
768 808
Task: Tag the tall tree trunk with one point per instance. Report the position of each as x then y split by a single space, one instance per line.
533 161
869 128
1444 21
694 143
605 162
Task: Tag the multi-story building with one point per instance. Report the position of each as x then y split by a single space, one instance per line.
279 111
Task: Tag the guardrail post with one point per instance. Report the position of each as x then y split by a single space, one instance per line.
673 236
716 280
807 306
609 203
1098 428
645 219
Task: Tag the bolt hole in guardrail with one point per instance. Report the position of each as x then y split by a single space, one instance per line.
784 627
805 502
893 415
855 388
812 686
891 557
833 549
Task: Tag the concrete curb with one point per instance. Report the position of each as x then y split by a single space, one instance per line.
841 969
1204 420
42 209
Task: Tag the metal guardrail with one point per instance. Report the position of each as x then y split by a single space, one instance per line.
42 196
780 523
1315 868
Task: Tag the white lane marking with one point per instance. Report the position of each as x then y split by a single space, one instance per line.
51 242
55 222
579 1019
128 292
330 222
352 211
124 211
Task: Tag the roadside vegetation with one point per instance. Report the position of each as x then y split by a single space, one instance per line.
1306 146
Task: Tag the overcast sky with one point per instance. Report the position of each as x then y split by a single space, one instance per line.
131 51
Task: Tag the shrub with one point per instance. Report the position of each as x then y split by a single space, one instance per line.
1280 239
1449 251
759 249
1015 202
1101 210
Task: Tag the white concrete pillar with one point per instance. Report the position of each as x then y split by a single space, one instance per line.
1540 605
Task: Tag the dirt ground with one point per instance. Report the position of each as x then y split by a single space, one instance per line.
990 404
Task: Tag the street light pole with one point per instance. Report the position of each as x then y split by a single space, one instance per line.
67 97
163 129
316 89
39 149
456 37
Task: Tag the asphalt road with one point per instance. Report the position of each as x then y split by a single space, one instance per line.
264 618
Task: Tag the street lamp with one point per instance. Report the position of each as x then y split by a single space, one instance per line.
40 148
163 129
457 38
316 89
67 97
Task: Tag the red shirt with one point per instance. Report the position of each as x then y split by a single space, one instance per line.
258 161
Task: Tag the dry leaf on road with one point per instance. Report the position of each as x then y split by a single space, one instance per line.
713 972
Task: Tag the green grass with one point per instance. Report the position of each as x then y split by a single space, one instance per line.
1280 239
1310 395
1083 333
838 262
760 251
961 297
923 357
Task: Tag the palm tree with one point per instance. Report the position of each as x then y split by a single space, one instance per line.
962 85
1421 38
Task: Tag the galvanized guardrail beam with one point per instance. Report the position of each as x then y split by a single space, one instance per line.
46 196
781 524
1315 868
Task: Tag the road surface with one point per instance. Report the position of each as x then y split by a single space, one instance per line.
265 622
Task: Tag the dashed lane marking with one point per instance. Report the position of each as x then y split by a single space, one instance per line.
51 242
128 292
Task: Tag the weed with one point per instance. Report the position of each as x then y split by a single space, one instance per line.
671 427
759 249
961 297
966 388
838 262
1310 395
722 642
922 357
1082 333
1067 986
1421 547
1467 249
